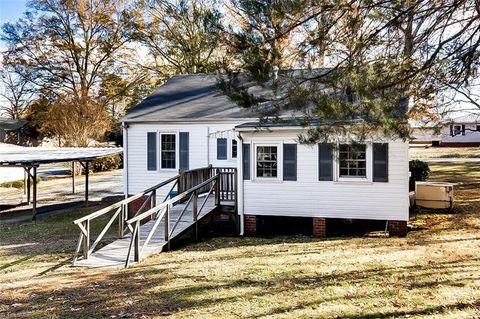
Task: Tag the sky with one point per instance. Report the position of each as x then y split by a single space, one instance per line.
11 10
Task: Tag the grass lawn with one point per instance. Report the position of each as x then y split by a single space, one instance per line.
444 152
432 273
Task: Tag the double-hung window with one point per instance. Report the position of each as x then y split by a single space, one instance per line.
352 161
168 147
267 161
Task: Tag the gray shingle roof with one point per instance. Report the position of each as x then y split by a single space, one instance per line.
188 98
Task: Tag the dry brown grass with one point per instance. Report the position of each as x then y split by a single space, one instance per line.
444 152
433 273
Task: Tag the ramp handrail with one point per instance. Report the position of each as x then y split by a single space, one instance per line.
120 210
164 208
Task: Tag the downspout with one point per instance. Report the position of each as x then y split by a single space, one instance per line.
125 158
208 145
240 178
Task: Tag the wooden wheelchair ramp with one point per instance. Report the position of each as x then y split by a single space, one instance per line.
114 254
150 230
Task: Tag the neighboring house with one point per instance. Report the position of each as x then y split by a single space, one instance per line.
189 123
425 133
11 131
459 131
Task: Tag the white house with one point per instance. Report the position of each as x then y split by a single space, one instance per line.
461 131
458 131
189 123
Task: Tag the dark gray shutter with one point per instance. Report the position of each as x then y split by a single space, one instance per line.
289 162
451 130
151 151
184 146
325 162
246 161
380 162
221 148
463 129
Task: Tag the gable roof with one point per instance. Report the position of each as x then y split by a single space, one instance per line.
191 97
471 118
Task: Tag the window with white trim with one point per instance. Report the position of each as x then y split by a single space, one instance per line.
168 148
352 160
267 161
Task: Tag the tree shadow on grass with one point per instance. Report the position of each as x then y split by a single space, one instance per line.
441 309
151 291
15 262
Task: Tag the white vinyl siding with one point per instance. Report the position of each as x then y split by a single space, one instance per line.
309 197
305 197
202 151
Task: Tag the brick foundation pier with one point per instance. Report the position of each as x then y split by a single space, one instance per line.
397 228
319 227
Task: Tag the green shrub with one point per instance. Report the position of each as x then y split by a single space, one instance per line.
16 184
419 172
108 163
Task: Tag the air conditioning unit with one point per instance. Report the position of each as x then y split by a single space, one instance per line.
434 195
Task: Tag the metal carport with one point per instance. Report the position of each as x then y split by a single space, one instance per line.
30 158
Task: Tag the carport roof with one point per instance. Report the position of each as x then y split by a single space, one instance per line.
23 156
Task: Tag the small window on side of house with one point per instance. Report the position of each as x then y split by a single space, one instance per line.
151 151
222 149
478 128
234 148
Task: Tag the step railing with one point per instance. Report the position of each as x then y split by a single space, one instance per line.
228 183
162 213
120 210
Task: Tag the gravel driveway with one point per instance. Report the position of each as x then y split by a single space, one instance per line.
59 190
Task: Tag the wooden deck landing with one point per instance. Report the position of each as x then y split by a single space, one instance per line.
115 253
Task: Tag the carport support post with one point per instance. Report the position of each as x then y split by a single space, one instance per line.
86 184
73 177
24 181
27 170
34 209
